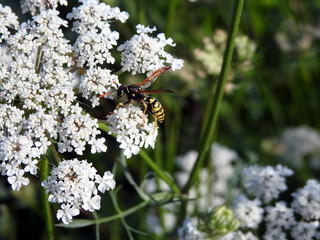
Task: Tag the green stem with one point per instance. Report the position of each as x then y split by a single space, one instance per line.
125 213
159 171
207 138
215 101
174 4
95 215
44 172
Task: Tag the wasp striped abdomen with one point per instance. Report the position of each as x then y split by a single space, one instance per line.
155 108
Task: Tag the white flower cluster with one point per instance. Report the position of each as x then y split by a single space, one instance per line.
212 190
145 54
92 23
265 182
8 20
37 99
38 82
238 235
277 220
36 6
76 130
75 184
306 201
132 130
96 39
211 55
301 147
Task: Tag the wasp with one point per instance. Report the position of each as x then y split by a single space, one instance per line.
137 93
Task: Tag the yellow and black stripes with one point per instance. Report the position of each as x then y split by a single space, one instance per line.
155 107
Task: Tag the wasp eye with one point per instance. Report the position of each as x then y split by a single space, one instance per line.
120 91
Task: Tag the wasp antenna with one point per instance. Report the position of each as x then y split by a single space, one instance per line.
102 95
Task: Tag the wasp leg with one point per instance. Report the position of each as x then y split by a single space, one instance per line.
122 104
144 111
155 124
119 105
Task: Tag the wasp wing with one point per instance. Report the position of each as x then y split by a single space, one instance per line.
147 82
156 91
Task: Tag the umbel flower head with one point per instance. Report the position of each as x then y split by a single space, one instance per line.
39 82
75 184
265 183
143 53
132 130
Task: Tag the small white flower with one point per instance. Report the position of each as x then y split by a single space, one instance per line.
306 201
132 129
92 204
145 54
107 182
97 145
66 213
17 180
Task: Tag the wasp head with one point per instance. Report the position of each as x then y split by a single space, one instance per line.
120 91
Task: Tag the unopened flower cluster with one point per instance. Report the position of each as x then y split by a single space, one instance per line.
211 55
39 81
75 184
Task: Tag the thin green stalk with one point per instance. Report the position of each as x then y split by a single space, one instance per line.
77 223
44 172
141 12
158 171
56 156
95 215
172 137
171 18
206 139
118 210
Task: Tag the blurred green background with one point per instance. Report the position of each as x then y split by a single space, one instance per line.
270 89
